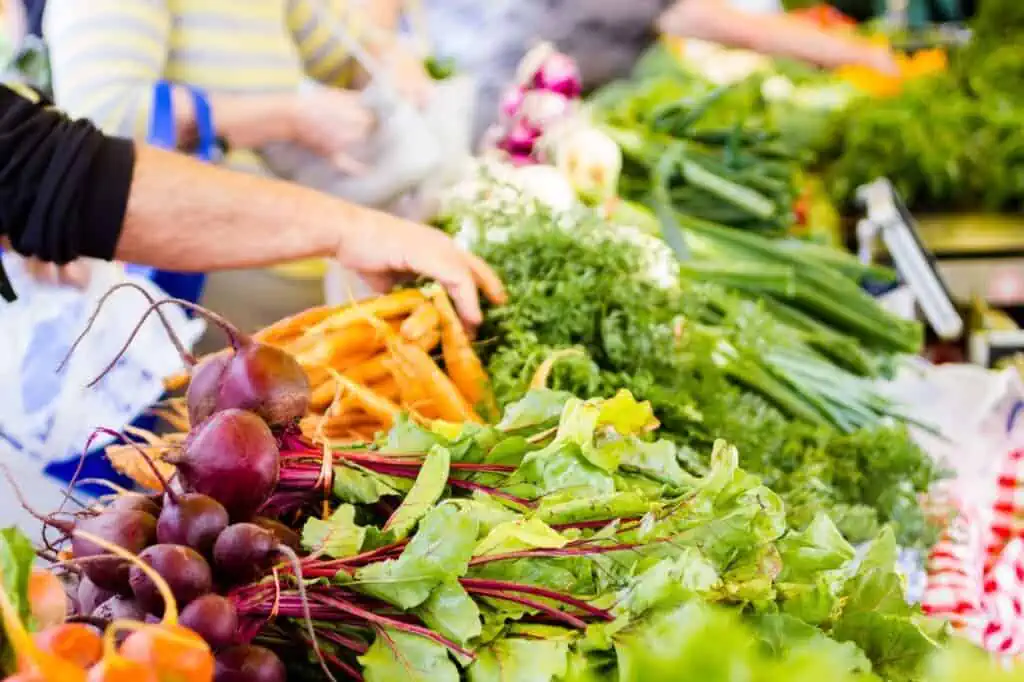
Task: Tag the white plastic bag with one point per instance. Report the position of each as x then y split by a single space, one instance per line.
47 415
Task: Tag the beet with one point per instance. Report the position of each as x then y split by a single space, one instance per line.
214 618
185 570
233 458
132 530
244 552
135 502
90 595
284 534
119 608
249 663
194 520
250 376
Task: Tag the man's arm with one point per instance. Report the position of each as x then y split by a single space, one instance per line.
774 34
77 193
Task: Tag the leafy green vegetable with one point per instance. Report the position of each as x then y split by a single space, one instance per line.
521 660
425 492
339 536
400 656
450 611
16 559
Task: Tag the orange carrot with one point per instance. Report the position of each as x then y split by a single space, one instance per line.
423 320
387 307
378 406
439 389
47 599
294 325
461 361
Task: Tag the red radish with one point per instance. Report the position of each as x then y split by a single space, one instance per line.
47 598
511 101
233 458
249 663
519 139
542 108
184 569
560 74
78 643
214 618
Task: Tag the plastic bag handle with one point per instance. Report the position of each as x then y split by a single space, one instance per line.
163 132
1015 411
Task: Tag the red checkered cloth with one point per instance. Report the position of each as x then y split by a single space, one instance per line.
976 570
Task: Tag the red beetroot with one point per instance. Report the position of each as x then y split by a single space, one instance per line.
249 664
233 458
214 618
184 569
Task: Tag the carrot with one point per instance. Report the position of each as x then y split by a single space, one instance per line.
438 388
381 408
393 305
461 361
295 325
47 599
423 320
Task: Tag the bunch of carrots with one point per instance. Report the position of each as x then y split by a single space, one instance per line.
67 651
371 361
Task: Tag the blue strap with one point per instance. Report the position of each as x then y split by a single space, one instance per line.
1011 420
162 131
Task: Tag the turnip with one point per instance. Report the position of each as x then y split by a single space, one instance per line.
249 664
214 618
185 570
233 458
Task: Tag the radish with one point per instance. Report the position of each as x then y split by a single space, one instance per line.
214 618
184 569
559 73
249 664
249 375
511 101
233 458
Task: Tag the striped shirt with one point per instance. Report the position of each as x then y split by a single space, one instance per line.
106 55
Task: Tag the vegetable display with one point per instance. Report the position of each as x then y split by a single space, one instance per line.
564 543
757 370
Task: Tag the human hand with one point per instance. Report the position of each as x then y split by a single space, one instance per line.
391 248
410 76
880 58
330 122
75 274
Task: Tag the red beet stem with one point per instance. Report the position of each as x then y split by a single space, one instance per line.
237 338
345 667
149 460
63 526
392 623
551 611
474 584
550 553
186 357
350 643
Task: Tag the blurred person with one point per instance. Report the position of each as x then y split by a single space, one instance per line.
69 191
254 59
606 37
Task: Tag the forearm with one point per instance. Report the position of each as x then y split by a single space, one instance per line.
245 121
187 216
778 35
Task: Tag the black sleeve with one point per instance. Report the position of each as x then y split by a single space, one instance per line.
63 184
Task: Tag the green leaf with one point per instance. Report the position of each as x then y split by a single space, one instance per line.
452 612
895 645
578 426
520 660
655 460
784 635
815 602
16 559
520 534
690 642
439 552
559 467
338 537
426 491
626 414
573 508
877 587
819 547
670 582
407 437
398 655
751 577
488 512
357 486
539 408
